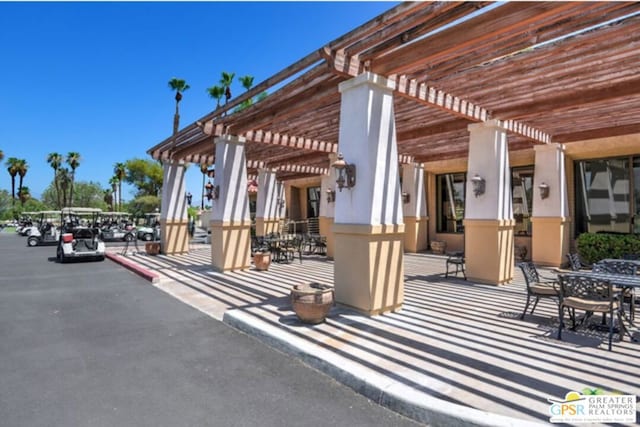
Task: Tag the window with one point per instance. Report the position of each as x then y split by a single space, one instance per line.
522 198
450 204
313 202
607 195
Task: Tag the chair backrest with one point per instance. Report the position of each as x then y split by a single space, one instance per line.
585 287
313 226
616 267
574 261
529 272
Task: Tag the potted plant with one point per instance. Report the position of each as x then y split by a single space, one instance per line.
438 247
312 301
262 259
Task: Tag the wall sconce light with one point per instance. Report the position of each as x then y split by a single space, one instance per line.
544 190
212 191
345 173
406 198
188 198
478 184
280 203
331 195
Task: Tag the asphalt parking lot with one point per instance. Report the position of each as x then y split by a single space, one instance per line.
91 344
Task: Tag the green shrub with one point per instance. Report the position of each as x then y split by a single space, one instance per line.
593 247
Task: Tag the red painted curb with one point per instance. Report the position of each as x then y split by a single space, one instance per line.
142 272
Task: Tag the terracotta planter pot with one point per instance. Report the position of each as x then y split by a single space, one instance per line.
312 302
262 260
152 248
438 247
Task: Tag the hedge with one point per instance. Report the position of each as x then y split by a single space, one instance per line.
593 247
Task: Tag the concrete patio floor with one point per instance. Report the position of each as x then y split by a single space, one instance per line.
456 354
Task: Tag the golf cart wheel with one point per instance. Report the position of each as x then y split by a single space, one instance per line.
147 237
60 255
32 241
128 237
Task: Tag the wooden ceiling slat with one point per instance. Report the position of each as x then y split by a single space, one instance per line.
509 19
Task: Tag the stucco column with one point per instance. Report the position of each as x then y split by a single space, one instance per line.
550 220
368 228
489 223
267 203
230 220
174 223
415 210
328 182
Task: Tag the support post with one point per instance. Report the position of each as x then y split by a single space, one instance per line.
174 224
230 220
415 208
368 228
488 224
550 220
267 203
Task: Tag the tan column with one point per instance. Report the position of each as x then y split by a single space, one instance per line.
267 203
174 223
368 228
550 220
414 208
372 269
327 209
230 221
488 224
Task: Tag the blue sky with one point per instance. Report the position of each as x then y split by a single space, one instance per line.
92 77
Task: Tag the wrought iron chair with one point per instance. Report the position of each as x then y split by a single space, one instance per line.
620 267
537 286
591 295
575 263
456 259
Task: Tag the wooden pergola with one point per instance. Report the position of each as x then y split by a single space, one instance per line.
549 71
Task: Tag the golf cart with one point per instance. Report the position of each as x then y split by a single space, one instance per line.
151 228
117 226
80 238
25 223
47 231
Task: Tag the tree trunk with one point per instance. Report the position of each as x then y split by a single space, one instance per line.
55 181
13 190
120 195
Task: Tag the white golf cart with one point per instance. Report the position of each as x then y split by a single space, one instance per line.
25 224
117 226
47 232
80 238
151 229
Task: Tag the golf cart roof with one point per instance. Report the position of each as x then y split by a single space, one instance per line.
48 212
116 214
81 210
152 214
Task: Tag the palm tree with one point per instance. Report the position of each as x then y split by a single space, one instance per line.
203 168
114 181
22 168
247 82
1 156
73 160
120 172
12 163
64 178
108 199
216 92
24 194
225 82
179 85
55 161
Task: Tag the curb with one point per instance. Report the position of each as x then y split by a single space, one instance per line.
142 272
391 394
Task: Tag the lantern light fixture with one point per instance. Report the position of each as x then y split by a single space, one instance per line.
478 184
345 173
544 190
